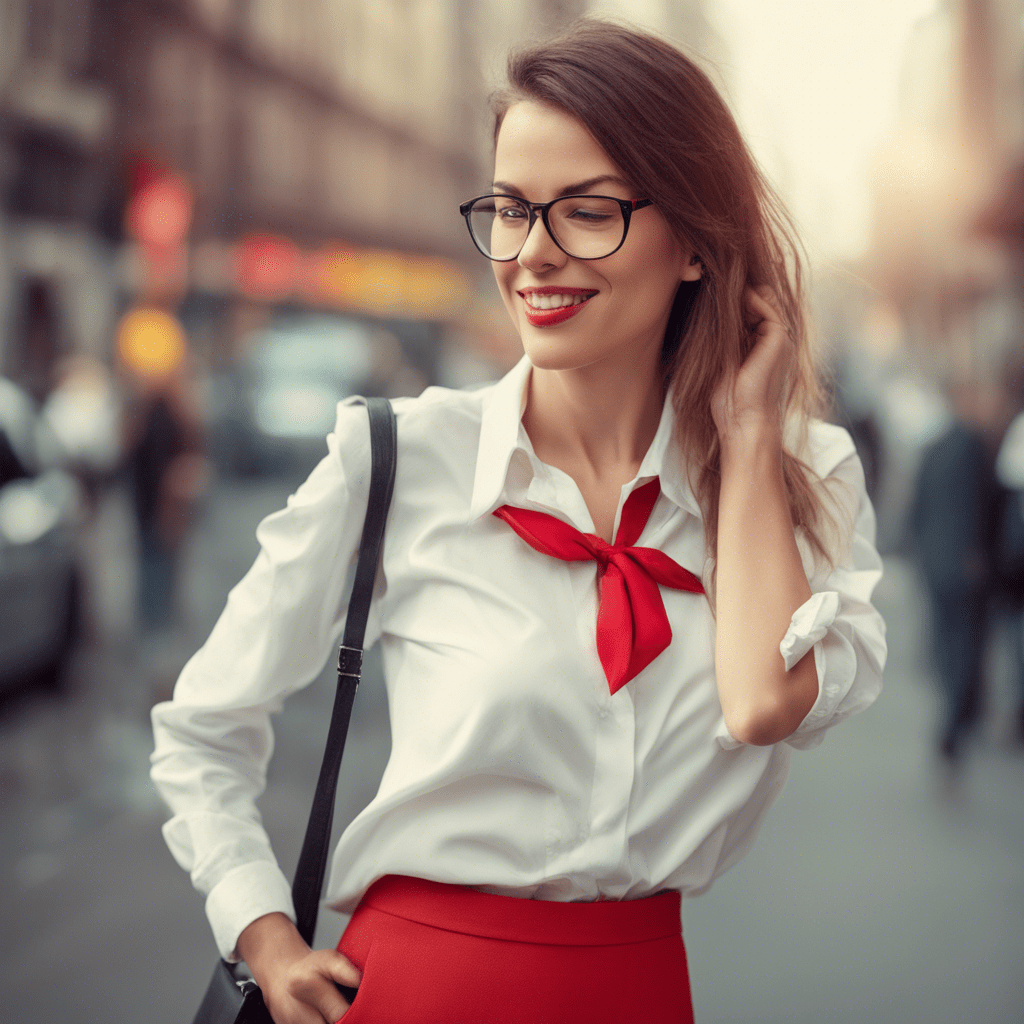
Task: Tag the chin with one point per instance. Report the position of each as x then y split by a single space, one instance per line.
547 353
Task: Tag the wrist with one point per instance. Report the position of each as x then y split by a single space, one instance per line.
269 941
750 445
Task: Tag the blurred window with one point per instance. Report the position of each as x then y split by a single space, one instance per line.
50 177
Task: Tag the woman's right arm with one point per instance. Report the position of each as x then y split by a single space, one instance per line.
214 739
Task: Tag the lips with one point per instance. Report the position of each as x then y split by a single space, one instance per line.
559 314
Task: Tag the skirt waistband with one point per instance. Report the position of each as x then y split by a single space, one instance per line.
457 908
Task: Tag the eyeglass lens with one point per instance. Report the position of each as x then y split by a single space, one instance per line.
585 226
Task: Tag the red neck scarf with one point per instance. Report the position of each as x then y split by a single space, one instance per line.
632 627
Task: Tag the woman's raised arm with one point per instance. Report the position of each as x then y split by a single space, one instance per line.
761 579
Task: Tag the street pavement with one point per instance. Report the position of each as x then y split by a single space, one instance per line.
883 888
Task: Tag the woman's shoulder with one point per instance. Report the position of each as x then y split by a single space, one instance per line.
441 408
434 407
440 420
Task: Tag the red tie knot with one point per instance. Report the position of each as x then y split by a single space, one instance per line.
603 551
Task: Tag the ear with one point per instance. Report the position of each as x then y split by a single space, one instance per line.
692 267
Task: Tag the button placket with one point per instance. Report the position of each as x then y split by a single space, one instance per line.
614 763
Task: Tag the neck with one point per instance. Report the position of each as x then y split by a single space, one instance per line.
600 419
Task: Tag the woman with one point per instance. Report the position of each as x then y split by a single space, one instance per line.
580 735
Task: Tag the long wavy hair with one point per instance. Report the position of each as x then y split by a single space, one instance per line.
661 120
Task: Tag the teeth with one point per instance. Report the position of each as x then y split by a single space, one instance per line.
554 301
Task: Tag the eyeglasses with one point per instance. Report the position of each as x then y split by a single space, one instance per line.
584 227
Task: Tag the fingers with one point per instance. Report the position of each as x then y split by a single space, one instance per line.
315 983
318 1003
761 305
763 294
341 969
770 339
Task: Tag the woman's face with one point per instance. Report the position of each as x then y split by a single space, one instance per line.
542 153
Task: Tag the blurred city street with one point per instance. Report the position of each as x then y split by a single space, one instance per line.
219 218
883 887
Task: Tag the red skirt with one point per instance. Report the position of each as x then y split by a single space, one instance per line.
432 953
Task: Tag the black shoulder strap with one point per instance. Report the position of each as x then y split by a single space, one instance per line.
309 874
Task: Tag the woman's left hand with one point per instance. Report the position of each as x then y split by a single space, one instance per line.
748 403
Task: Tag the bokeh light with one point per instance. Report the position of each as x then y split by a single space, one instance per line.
160 212
151 342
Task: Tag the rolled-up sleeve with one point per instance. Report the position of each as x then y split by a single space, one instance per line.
214 738
839 622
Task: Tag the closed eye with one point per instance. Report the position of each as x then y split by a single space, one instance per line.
589 216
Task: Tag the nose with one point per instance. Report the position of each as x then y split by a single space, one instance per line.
539 250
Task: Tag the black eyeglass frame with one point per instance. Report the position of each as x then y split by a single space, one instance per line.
626 205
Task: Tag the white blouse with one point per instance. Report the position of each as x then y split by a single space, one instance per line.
513 770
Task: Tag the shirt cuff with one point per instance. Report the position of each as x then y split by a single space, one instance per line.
808 625
244 894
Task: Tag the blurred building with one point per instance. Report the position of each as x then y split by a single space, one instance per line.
1002 216
325 146
60 200
229 157
949 193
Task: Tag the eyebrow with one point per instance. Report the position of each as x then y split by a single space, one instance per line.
575 189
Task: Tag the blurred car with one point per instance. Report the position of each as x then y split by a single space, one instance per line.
273 411
39 579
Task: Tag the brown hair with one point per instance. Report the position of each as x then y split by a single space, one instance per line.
663 123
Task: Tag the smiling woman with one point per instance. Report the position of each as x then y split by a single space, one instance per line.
617 588
630 280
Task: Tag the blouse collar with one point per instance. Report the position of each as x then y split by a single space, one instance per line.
502 434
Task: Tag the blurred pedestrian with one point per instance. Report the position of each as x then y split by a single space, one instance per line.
953 525
167 474
616 589
854 407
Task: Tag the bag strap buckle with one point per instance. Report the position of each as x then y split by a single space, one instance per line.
350 662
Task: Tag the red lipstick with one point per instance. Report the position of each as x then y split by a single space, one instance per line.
550 317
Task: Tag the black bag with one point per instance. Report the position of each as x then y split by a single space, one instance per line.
232 1000
232 996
